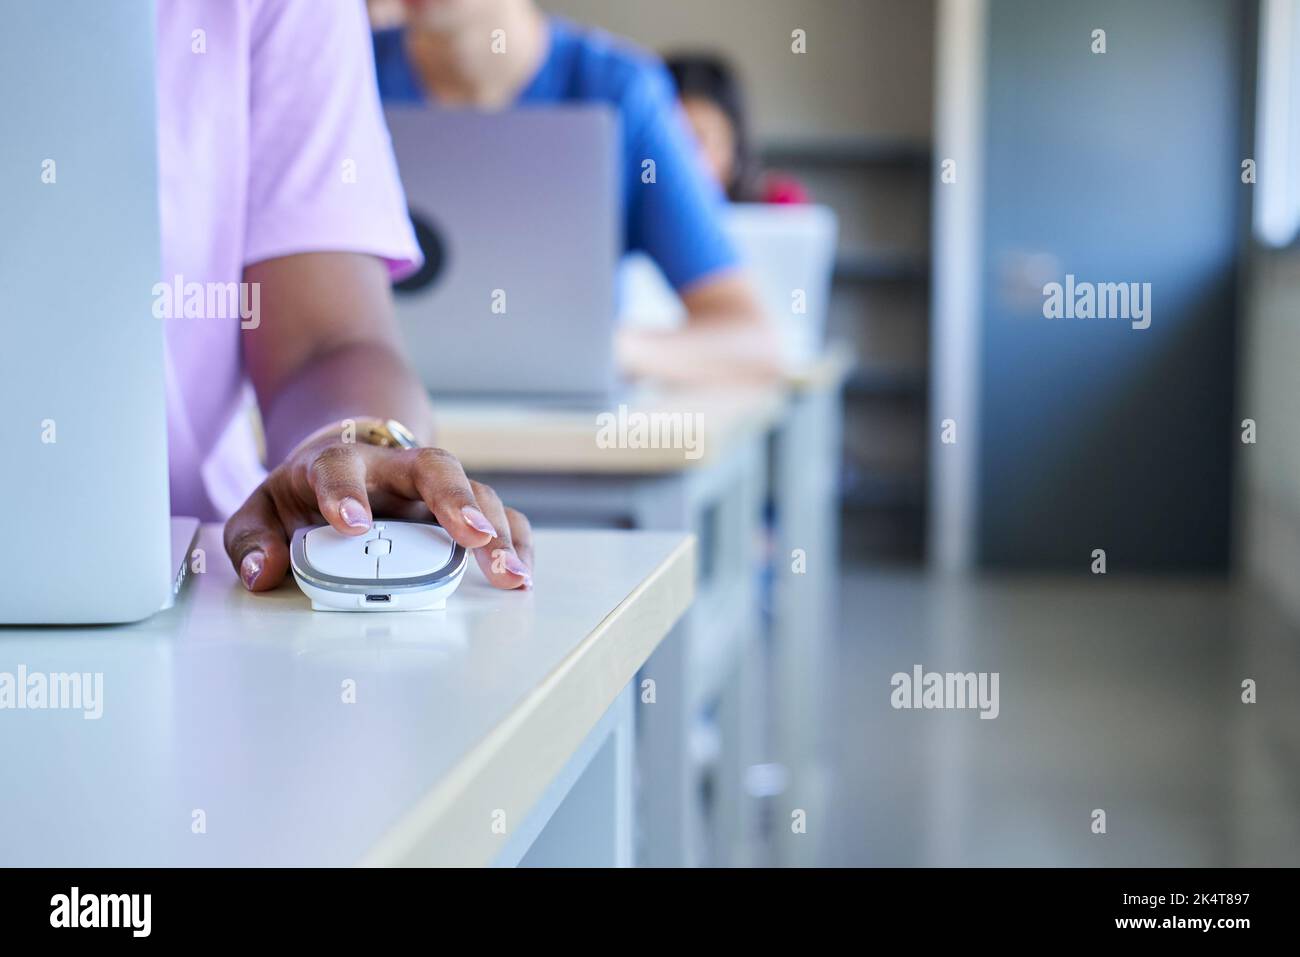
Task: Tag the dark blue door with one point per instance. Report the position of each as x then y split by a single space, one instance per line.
1114 167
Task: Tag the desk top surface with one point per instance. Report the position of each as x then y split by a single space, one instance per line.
649 430
646 431
323 737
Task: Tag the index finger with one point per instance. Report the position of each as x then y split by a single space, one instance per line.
435 477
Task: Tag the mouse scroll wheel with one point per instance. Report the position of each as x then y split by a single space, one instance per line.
379 546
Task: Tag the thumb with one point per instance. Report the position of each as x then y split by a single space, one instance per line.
256 542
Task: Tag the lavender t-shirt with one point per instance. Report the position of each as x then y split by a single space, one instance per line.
271 142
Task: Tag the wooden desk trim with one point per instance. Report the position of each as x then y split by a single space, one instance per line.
539 441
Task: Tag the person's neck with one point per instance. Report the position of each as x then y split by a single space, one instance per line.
471 65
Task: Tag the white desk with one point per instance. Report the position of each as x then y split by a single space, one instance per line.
547 462
235 706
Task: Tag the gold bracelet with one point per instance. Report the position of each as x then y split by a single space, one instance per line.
385 433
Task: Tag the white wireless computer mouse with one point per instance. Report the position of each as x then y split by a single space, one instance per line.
395 566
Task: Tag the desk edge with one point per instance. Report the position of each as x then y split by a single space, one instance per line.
510 768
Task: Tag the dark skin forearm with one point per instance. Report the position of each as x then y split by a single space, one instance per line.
327 348
726 339
353 380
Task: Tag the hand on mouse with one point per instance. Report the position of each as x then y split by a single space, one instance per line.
346 484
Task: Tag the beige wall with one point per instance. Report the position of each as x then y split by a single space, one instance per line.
867 70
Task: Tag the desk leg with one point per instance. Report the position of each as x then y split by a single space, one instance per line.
699 662
669 816
671 828
590 823
805 464
707 660
741 715
742 708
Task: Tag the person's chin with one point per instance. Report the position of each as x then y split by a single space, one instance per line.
439 15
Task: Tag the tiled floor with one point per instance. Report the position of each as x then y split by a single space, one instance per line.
1116 694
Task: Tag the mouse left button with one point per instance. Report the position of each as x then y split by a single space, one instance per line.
341 556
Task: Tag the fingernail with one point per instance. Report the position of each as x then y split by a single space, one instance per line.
528 583
514 566
354 513
477 519
251 567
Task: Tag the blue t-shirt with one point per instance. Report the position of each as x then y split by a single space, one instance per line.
675 220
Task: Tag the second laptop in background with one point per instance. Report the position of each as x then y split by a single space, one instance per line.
788 253
518 216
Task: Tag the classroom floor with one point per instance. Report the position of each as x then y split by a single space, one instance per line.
1119 695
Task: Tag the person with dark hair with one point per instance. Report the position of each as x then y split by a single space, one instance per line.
714 105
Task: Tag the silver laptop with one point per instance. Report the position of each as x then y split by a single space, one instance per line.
788 252
83 426
519 217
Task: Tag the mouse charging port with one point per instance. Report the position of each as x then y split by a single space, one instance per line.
379 598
